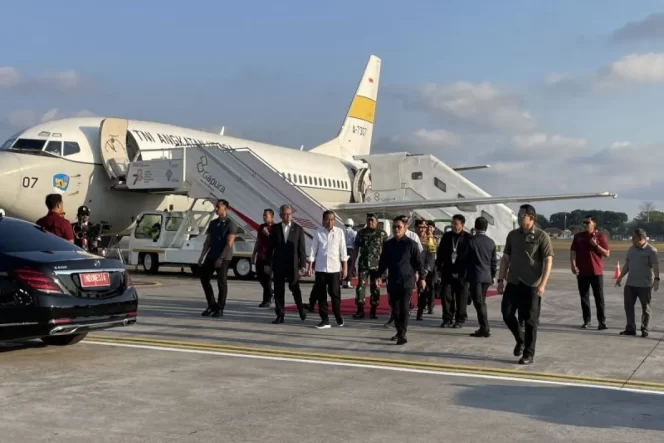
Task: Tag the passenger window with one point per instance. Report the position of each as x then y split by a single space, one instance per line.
144 226
440 184
317 183
70 148
289 177
299 177
416 176
54 148
488 216
325 182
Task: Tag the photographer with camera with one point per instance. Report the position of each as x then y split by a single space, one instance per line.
87 235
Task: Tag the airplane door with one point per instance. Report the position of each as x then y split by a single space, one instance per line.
113 143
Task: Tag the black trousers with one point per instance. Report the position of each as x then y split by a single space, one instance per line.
400 303
207 271
524 299
280 293
597 283
425 298
328 283
477 293
454 299
264 271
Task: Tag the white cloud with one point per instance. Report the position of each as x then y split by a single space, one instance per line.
649 29
66 80
9 77
554 78
620 144
431 139
21 119
480 105
636 68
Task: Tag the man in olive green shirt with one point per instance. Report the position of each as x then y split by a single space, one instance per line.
526 264
642 267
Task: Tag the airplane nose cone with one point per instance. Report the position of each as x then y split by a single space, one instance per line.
10 180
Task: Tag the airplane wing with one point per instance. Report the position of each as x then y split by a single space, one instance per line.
424 204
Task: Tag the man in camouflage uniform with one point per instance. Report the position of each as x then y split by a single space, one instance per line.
368 247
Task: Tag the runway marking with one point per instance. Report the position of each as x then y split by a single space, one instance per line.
380 363
147 283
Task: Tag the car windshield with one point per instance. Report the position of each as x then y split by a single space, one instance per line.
25 237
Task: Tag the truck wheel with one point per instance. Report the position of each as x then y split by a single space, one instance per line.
63 340
242 268
151 263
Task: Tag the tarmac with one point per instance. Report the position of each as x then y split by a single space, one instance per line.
177 376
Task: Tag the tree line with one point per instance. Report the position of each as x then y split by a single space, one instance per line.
616 224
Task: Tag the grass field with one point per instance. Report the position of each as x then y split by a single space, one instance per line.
613 244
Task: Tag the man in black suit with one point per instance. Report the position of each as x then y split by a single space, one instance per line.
482 265
451 262
287 250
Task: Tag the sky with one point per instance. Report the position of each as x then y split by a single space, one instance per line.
558 97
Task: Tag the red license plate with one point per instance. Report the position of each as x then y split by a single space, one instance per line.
95 280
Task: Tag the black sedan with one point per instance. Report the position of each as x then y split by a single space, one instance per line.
55 291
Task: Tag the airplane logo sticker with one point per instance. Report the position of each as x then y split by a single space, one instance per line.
60 182
202 164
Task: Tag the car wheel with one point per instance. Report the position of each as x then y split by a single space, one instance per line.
242 268
63 340
151 263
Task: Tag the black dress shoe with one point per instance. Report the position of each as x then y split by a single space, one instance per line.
278 320
217 314
401 341
303 315
457 325
394 337
526 360
207 312
585 326
518 350
481 333
265 304
644 333
628 332
602 327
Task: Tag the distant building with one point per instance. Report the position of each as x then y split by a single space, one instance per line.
554 232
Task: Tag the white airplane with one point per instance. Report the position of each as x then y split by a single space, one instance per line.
71 156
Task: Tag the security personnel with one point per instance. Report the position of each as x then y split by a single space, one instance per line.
528 256
54 222
482 264
425 298
86 234
401 259
451 262
368 247
351 235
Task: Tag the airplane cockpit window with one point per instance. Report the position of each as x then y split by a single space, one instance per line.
70 148
27 144
54 147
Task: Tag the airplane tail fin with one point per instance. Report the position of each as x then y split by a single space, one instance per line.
354 137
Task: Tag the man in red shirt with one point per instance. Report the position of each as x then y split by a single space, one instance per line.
260 258
55 222
586 258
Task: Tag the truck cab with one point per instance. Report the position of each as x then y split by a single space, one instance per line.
177 238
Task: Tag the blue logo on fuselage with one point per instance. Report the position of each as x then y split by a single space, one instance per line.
60 182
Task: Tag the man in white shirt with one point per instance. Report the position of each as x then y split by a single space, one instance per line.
328 251
351 234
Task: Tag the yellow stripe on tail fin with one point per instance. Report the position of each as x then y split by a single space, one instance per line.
354 138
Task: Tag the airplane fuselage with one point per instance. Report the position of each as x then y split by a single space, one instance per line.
82 179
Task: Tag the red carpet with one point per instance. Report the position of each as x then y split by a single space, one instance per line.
348 304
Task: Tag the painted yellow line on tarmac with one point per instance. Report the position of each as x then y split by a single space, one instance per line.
147 283
411 365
